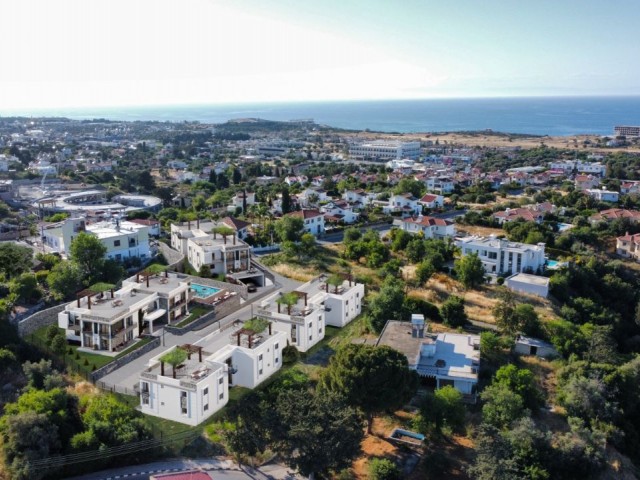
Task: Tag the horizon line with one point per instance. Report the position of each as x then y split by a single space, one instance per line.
14 111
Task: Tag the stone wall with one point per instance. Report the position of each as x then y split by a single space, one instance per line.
120 362
40 319
207 317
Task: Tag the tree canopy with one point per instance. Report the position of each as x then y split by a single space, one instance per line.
374 379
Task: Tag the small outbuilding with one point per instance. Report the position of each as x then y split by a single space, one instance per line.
533 346
527 283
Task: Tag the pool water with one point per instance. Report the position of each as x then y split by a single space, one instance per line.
203 291
552 263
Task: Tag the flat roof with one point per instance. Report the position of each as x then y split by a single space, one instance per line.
159 283
531 279
108 307
397 335
535 342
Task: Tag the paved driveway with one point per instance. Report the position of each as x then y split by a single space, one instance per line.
128 375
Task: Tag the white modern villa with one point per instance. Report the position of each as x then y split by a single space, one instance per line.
342 303
199 386
110 321
122 239
500 256
303 322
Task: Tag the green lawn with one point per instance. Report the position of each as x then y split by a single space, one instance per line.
196 312
79 361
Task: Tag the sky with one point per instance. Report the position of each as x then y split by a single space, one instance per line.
87 53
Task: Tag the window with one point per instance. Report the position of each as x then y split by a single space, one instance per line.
310 324
221 396
183 403
116 243
220 381
310 338
206 391
277 345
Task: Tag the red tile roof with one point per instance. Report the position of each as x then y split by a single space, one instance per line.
305 214
235 223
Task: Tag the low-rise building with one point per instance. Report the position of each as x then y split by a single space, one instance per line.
527 283
447 358
313 220
303 323
405 204
500 256
432 200
611 214
110 321
199 387
603 195
122 238
534 346
628 246
528 213
339 211
429 226
342 303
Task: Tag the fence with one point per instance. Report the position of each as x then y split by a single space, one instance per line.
119 362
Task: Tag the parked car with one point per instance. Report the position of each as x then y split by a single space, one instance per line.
251 287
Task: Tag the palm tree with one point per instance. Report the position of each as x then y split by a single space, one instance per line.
335 281
174 358
288 299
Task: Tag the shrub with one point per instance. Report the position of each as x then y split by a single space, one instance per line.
383 469
290 354
500 280
86 362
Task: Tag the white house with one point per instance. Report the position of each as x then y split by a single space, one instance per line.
123 239
238 201
339 211
197 390
430 227
341 304
110 321
440 185
603 195
359 197
406 204
313 220
431 200
303 323
527 283
447 359
312 196
628 246
199 387
501 256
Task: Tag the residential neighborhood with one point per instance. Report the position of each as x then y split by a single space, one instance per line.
195 277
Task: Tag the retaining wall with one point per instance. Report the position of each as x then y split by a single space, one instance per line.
120 362
39 319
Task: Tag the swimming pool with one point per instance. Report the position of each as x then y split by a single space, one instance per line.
552 263
203 291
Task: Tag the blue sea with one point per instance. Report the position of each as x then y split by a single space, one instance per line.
531 115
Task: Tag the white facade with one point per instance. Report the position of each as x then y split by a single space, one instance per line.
340 210
603 195
201 390
313 221
122 239
501 256
452 359
110 321
440 185
431 200
526 283
222 254
405 204
303 324
216 362
569 166
385 150
533 346
430 227
341 304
